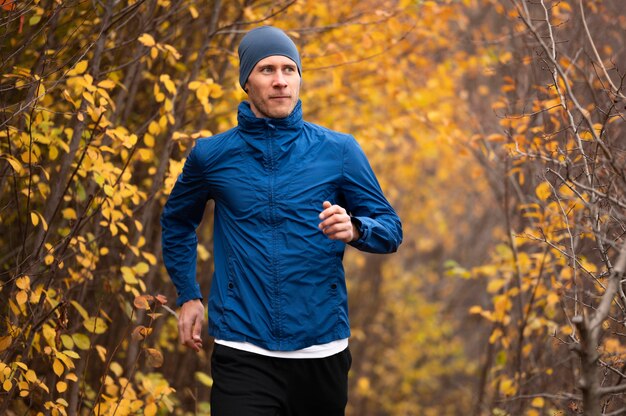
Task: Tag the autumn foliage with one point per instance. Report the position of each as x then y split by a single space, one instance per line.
495 128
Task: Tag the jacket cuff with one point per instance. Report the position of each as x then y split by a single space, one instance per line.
189 294
364 231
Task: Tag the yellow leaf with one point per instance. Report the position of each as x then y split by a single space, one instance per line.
116 368
194 85
204 378
107 84
505 57
23 282
154 128
167 82
80 309
475 309
130 141
49 259
495 285
538 402
168 106
108 190
129 275
586 136
30 376
173 51
508 387
41 90
147 40
150 257
21 297
178 135
102 352
612 345
150 409
148 139
89 97
363 385
79 68
61 386
95 325
141 268
5 342
590 267
7 385
57 367
15 164
43 386
566 191
552 298
69 214
49 334
34 218
543 191
65 360
495 335
194 12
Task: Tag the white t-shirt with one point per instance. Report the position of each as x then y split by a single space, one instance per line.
314 351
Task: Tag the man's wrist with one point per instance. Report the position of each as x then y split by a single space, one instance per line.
356 229
193 300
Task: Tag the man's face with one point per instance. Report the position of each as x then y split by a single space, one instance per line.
273 87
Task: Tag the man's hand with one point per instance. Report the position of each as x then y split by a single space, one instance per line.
336 223
190 322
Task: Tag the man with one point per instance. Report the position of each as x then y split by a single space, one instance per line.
288 196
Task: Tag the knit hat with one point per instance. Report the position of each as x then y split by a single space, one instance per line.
261 42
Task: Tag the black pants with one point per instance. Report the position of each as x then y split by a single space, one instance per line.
247 384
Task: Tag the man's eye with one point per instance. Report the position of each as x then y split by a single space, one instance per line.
266 70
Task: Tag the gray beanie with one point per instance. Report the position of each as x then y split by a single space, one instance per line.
260 43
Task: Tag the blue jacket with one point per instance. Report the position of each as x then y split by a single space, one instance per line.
278 281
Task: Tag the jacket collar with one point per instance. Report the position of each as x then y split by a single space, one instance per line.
249 122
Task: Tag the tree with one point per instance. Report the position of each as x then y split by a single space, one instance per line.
556 278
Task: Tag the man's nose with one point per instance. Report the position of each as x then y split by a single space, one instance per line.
279 79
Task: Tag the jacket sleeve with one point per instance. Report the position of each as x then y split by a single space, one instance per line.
181 216
378 223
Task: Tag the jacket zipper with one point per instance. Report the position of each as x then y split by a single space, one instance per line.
274 253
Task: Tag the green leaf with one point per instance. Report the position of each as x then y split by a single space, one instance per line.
82 341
